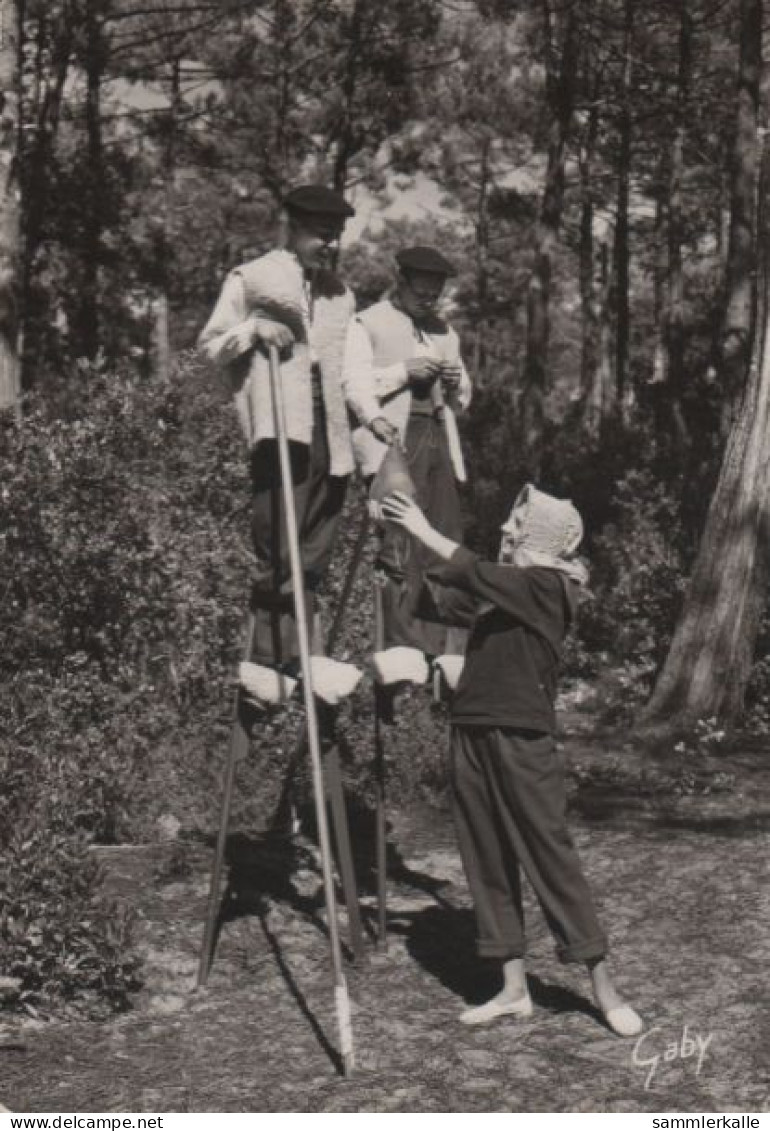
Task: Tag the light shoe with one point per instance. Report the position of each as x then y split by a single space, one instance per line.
265 686
491 1010
624 1021
333 680
451 668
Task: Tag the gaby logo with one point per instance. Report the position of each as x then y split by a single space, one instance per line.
650 1050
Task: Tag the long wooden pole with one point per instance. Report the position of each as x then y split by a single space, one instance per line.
342 1000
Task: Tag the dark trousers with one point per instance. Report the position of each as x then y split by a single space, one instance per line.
318 501
403 560
509 801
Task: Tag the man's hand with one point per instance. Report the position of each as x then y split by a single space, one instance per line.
239 340
267 333
422 372
251 331
451 376
385 432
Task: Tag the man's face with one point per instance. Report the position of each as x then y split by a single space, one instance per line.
314 239
419 291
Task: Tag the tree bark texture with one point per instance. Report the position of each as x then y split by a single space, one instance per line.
670 361
709 662
735 347
482 269
87 312
590 371
561 77
622 222
10 214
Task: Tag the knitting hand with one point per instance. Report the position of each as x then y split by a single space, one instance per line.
451 375
385 432
422 372
399 508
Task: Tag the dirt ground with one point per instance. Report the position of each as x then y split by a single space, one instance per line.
681 880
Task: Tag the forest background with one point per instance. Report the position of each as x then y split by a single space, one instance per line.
597 171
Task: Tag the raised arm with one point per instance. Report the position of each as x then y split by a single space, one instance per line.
529 596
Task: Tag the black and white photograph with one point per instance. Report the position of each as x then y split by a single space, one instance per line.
384 559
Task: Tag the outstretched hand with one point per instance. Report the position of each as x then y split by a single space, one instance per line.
402 510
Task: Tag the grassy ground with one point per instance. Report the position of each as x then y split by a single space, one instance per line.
680 875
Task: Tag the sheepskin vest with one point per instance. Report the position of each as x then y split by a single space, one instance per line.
273 287
394 339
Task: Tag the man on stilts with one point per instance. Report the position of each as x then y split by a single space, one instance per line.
404 379
289 298
279 329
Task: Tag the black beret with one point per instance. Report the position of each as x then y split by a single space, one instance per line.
424 259
318 200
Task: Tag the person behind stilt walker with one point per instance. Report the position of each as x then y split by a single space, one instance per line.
404 379
290 298
507 779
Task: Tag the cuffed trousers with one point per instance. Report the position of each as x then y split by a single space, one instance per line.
403 560
318 501
509 801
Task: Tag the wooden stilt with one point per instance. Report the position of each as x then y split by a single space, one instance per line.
336 797
382 719
239 745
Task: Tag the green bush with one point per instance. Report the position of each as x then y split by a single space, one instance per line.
123 580
638 575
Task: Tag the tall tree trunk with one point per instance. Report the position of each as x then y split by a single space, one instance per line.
482 269
735 347
10 228
58 38
162 317
672 309
87 321
708 665
346 144
660 362
590 387
606 386
622 223
560 91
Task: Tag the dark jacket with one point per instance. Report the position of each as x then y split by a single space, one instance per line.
518 620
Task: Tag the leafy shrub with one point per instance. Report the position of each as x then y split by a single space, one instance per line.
122 579
60 940
639 574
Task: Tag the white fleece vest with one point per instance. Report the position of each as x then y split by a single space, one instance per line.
273 285
394 339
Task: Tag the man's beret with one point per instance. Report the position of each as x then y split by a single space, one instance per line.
424 259
317 200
